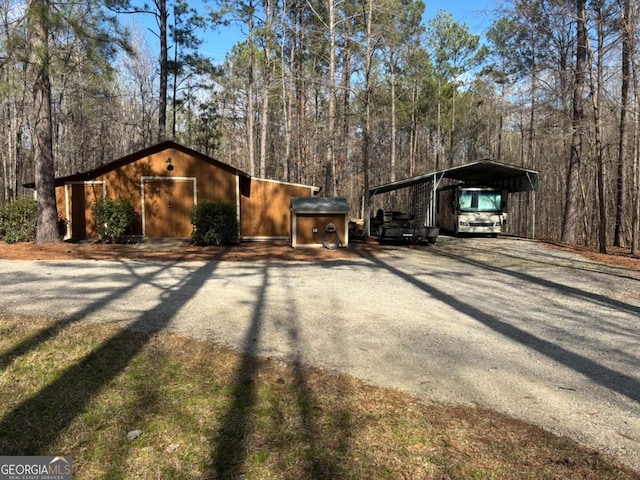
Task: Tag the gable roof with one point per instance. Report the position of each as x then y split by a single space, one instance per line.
484 173
159 147
316 190
319 205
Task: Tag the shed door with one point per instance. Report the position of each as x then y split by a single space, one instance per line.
83 196
167 207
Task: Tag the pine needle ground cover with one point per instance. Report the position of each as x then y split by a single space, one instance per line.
150 405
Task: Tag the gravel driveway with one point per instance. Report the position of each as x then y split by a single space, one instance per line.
505 324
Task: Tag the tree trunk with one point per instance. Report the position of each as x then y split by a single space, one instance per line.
439 127
532 121
414 131
297 71
332 181
287 94
635 240
453 123
250 89
621 182
164 70
343 159
47 229
174 83
264 128
266 87
394 127
501 122
571 212
597 91
635 221
366 214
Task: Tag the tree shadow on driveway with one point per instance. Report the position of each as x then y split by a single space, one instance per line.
602 375
52 330
33 426
564 289
230 445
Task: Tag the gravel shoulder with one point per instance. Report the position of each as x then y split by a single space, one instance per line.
539 334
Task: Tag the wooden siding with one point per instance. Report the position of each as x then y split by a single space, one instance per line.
167 206
77 214
305 222
165 181
125 181
61 205
83 196
266 212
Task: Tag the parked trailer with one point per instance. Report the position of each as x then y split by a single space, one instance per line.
472 210
398 226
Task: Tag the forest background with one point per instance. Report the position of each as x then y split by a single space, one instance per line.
342 95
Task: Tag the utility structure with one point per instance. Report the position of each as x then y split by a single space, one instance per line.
419 196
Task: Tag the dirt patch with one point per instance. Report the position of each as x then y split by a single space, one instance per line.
615 256
176 251
272 250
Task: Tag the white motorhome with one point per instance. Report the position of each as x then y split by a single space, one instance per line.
475 210
477 203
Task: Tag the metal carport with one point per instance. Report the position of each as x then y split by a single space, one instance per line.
484 173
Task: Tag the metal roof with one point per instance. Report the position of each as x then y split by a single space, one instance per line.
319 205
484 173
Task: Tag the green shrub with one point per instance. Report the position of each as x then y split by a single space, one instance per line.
18 220
113 218
214 223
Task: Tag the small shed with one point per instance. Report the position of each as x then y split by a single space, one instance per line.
317 222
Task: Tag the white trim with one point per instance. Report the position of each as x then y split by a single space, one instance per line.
67 212
294 229
345 243
263 238
163 179
311 187
67 200
238 206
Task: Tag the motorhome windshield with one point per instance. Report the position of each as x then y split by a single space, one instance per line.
480 201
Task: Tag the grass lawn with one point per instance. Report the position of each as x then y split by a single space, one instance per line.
207 412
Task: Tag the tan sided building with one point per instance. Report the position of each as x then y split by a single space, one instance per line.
164 182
